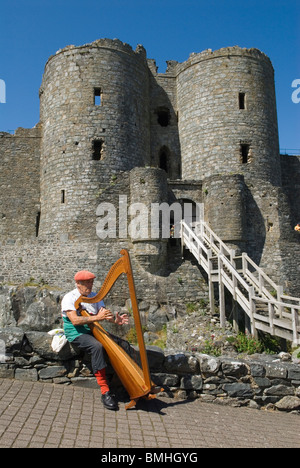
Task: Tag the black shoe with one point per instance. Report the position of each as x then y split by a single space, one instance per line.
109 401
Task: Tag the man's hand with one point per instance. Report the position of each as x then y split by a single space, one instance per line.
105 314
121 319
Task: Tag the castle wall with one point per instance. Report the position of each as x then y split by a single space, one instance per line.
19 184
291 185
227 115
165 145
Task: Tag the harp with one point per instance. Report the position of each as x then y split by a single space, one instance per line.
136 380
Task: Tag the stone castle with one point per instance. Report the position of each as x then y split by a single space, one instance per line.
205 131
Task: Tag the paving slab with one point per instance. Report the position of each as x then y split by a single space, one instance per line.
44 415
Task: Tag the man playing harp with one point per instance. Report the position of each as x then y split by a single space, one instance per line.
78 332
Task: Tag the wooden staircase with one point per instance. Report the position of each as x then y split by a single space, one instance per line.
268 309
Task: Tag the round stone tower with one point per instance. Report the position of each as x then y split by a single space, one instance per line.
224 201
148 187
94 116
227 115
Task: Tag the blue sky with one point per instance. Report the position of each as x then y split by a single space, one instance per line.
32 30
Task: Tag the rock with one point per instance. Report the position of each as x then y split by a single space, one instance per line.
285 357
7 318
234 368
288 403
276 370
294 373
27 375
156 358
191 382
238 390
168 380
181 363
279 390
209 364
6 372
157 317
30 308
13 337
52 372
262 382
257 370
40 343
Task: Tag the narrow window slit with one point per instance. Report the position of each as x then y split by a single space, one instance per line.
244 153
242 100
97 97
37 223
97 150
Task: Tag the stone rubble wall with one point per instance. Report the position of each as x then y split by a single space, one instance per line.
258 381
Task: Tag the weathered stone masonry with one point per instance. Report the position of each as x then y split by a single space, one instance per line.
205 131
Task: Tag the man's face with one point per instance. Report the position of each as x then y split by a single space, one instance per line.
85 287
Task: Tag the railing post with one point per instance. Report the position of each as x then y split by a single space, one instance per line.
210 283
252 309
279 294
244 263
261 282
221 294
232 255
235 316
182 237
295 324
235 308
271 318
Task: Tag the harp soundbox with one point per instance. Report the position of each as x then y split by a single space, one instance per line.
136 380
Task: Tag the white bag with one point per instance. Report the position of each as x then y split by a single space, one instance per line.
59 339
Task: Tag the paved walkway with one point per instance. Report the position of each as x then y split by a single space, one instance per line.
39 415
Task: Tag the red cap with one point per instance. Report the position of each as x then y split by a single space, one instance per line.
84 275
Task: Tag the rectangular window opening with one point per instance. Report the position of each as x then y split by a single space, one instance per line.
37 223
245 153
97 97
62 196
242 100
97 150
